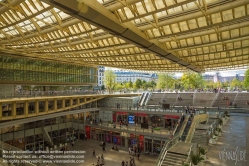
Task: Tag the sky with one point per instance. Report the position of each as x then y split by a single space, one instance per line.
222 73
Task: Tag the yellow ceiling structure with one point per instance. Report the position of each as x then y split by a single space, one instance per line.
143 35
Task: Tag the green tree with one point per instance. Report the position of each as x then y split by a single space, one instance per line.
130 84
138 84
152 84
110 80
192 80
235 83
165 81
246 80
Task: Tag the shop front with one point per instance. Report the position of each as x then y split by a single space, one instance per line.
156 120
121 116
171 121
141 118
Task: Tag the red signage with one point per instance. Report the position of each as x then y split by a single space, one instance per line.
122 113
132 135
140 114
171 116
141 138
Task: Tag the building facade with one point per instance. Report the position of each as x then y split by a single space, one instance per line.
126 76
101 72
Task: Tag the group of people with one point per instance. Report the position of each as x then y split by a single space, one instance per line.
179 99
132 162
225 98
189 110
118 105
134 150
114 148
100 161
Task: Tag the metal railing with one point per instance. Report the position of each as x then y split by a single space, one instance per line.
188 161
215 98
184 125
165 148
192 131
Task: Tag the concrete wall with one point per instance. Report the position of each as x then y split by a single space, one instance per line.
6 90
105 116
124 101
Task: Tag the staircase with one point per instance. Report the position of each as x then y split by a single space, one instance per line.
174 159
199 137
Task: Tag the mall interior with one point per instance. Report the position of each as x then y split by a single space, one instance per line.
48 43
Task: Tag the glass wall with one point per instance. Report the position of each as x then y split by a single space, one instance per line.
24 70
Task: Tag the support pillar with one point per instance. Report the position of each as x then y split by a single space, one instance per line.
46 106
71 102
1 110
84 118
26 108
13 110
36 107
126 142
55 105
152 148
63 104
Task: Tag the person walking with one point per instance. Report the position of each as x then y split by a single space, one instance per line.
72 143
138 155
102 159
93 153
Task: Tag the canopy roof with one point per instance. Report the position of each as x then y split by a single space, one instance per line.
143 35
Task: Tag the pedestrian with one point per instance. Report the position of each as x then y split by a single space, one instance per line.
123 163
138 155
126 164
129 150
72 143
103 148
102 159
93 153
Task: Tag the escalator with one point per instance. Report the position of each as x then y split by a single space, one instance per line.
141 99
186 129
147 99
144 99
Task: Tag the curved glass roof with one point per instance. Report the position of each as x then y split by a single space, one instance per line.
143 35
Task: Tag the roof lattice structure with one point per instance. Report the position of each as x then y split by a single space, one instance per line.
143 35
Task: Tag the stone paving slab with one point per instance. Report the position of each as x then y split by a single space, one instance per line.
235 141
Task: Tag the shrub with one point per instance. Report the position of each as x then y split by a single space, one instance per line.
196 159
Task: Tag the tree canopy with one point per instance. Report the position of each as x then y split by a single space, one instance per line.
110 80
165 81
246 80
192 80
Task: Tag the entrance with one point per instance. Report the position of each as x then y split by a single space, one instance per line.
148 146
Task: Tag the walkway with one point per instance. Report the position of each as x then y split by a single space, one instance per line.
136 128
112 158
235 135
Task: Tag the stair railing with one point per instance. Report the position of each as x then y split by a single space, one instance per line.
192 131
235 98
183 126
188 161
215 98
165 148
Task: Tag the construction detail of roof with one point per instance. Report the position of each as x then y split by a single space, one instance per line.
141 35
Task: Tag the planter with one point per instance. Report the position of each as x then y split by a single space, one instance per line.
200 164
212 141
204 156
